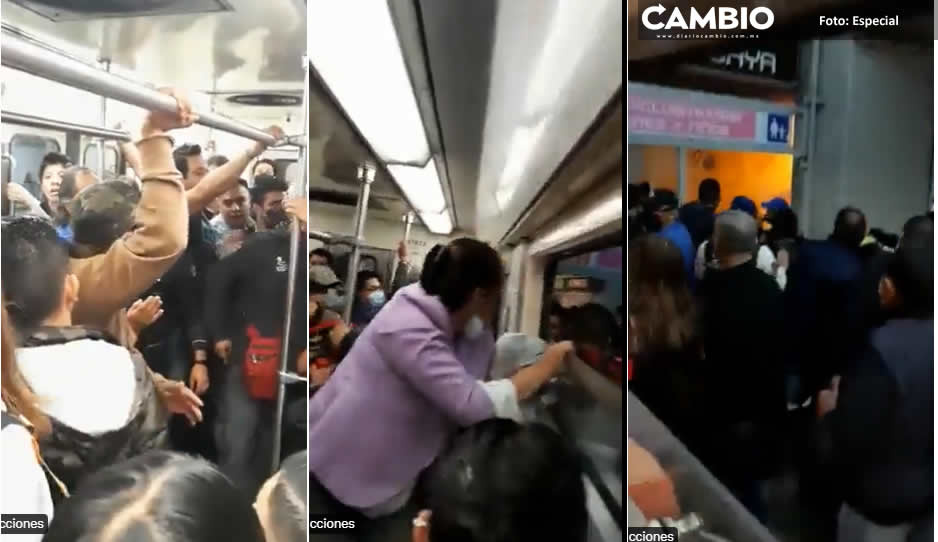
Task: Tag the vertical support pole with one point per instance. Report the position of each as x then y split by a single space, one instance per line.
408 220
296 239
366 175
106 66
681 173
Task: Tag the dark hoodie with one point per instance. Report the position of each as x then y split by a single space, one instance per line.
99 397
249 288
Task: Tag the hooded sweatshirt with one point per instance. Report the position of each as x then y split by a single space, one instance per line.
100 400
408 383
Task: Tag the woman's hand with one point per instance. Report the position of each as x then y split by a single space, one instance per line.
554 362
560 354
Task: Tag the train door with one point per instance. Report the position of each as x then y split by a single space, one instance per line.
677 138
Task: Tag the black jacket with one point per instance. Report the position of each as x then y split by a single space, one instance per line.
743 375
182 290
699 220
823 287
883 426
249 287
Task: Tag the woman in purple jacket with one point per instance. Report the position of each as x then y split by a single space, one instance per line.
413 378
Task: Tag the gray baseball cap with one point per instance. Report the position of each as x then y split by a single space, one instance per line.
323 275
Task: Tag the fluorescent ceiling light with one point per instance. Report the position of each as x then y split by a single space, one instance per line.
439 224
354 47
521 149
421 186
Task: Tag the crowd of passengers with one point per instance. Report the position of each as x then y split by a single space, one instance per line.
767 353
142 331
142 323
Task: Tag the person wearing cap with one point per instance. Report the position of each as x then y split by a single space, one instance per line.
777 212
698 215
775 206
744 380
664 206
329 337
765 259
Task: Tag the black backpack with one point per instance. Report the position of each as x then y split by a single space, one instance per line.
57 489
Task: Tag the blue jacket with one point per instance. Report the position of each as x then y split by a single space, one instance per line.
677 233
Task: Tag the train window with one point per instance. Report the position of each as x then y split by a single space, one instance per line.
27 151
587 287
292 173
89 157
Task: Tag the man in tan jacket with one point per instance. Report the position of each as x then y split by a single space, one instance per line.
136 260
133 262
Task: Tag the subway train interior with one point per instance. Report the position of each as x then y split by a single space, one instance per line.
814 143
78 80
494 120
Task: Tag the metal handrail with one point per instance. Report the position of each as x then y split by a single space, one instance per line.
9 117
334 238
42 61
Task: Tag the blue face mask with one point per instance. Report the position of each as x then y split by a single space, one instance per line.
377 299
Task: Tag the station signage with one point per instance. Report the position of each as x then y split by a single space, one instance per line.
652 116
771 61
678 120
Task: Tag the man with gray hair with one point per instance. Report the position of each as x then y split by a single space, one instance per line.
735 239
742 316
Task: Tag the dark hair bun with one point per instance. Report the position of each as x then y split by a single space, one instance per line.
452 272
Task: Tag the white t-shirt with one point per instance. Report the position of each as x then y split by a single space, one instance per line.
765 260
25 489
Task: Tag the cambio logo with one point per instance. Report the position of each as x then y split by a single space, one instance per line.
760 18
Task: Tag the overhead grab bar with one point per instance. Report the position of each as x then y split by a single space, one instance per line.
334 238
50 124
36 59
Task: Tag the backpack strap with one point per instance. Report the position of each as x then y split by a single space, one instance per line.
58 489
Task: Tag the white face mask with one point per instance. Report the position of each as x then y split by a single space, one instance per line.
474 328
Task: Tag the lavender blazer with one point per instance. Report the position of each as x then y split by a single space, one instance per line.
406 385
